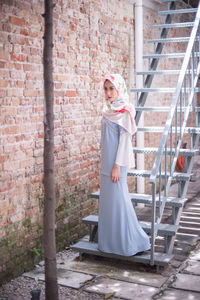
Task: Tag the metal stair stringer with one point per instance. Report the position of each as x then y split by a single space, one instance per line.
189 81
154 62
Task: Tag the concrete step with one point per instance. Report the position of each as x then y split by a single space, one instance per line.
163 229
189 224
190 219
193 209
191 230
161 259
189 213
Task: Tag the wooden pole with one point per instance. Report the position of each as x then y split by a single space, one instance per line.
51 286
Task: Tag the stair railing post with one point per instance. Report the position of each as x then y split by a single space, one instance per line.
153 217
160 187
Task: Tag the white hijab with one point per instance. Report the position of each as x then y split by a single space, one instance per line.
120 111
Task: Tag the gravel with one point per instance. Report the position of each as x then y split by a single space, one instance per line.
20 288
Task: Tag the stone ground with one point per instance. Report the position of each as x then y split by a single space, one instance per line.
105 278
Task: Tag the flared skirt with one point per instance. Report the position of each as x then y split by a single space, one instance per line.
119 231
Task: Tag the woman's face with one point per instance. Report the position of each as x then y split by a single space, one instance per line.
110 91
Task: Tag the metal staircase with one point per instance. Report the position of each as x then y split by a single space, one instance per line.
163 171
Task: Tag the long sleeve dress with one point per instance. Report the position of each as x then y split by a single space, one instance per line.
119 231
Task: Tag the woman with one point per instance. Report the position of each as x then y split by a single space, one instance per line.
118 229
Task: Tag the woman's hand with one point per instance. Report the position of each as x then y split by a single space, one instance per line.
115 174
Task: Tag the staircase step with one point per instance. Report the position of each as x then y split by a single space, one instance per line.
154 150
169 0
190 214
161 90
190 219
147 199
168 55
159 72
161 259
164 108
159 108
174 25
172 40
177 11
191 230
147 174
163 229
189 224
160 129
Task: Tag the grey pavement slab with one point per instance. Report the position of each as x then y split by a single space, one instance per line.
195 256
117 272
175 263
187 282
65 277
173 294
122 289
193 267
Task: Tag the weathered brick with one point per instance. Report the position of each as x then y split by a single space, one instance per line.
3 83
71 93
19 57
11 129
30 93
17 21
24 31
2 64
3 158
3 55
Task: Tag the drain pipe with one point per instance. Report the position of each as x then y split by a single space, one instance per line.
139 84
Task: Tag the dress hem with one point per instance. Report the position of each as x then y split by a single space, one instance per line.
142 250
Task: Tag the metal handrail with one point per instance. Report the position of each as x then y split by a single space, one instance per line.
167 132
175 98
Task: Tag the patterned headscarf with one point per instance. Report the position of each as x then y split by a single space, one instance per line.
120 111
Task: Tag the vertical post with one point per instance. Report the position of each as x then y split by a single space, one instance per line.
139 82
181 134
160 178
165 193
51 287
192 83
153 218
171 150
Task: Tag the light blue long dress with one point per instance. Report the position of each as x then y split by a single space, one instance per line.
119 231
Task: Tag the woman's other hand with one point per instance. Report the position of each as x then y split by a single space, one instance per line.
115 174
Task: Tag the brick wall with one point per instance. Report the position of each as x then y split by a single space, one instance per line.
91 39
